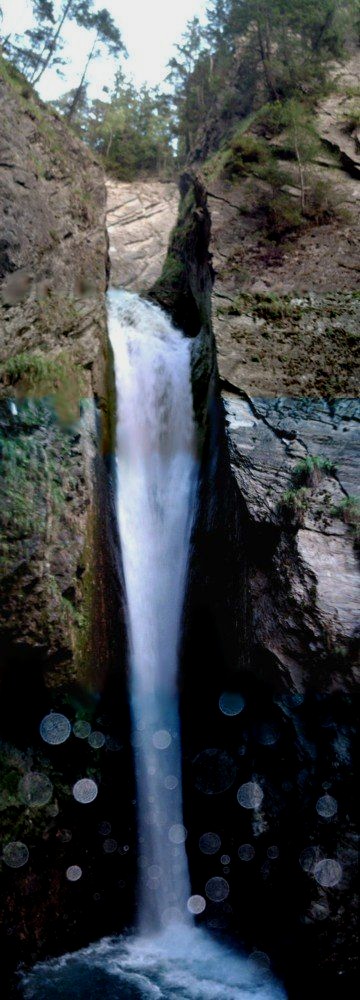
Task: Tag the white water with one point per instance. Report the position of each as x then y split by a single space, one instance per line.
183 963
156 484
170 959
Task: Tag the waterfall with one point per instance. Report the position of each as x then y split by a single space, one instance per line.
156 484
168 957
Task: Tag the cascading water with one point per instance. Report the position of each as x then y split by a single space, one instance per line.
169 958
156 485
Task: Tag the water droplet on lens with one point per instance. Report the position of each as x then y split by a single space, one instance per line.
265 870
268 734
171 781
177 833
209 843
82 729
260 961
96 740
112 744
250 795
73 873
196 904
225 859
217 889
328 873
104 828
85 790
53 809
154 872
161 739
35 789
309 857
55 728
15 854
246 852
231 703
65 836
273 852
110 845
136 739
215 771
326 806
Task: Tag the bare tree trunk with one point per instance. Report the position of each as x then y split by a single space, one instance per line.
301 173
43 64
109 144
73 106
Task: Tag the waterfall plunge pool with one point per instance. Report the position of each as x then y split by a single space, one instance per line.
181 963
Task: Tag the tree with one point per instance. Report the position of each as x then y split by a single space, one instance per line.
303 142
106 34
25 51
53 41
133 131
190 73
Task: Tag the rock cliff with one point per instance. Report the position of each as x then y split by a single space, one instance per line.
286 315
140 217
273 602
53 357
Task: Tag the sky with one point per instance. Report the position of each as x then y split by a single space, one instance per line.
149 29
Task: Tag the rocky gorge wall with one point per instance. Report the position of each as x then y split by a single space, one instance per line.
273 604
59 591
53 356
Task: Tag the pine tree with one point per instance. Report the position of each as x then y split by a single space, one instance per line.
107 36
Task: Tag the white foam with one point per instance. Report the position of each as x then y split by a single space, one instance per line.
181 962
156 485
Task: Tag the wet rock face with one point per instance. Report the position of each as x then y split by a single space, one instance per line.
52 380
269 797
271 619
295 463
45 491
140 217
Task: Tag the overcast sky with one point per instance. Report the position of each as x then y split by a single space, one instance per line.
149 30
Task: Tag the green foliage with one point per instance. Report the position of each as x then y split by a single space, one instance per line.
322 203
295 502
349 511
132 132
40 375
253 56
282 215
270 307
39 48
245 154
172 270
265 305
12 75
312 468
23 513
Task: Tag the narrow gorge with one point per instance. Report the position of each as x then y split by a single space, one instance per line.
180 587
